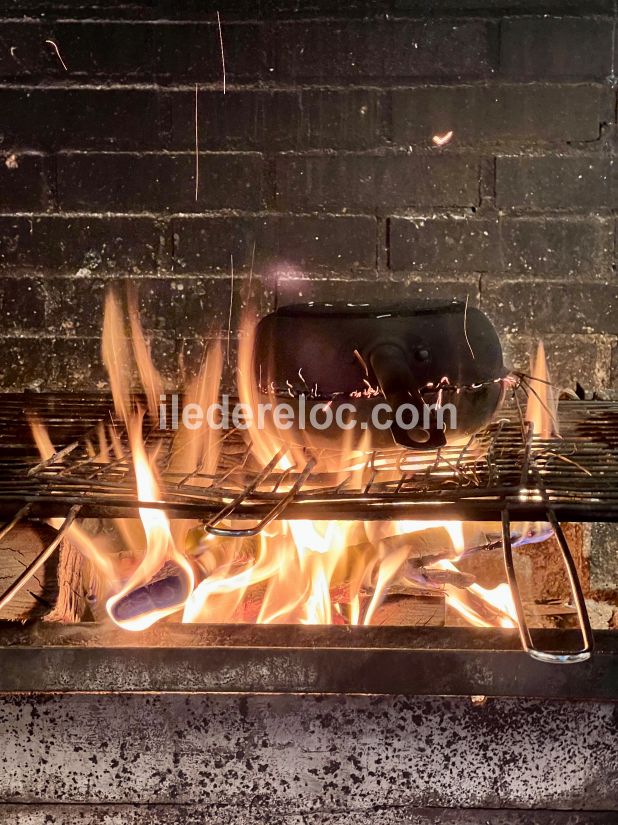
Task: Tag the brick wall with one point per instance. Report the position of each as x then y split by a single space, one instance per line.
317 164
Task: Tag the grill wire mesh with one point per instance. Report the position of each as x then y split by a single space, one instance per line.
576 475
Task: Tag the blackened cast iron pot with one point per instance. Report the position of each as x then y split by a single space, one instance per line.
333 352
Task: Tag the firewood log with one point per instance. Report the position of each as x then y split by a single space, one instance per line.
18 549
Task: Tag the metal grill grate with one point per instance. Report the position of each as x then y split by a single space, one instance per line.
502 467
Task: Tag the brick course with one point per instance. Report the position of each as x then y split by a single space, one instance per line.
534 48
366 182
502 113
135 182
282 243
576 182
56 243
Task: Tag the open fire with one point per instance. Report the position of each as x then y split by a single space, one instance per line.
293 571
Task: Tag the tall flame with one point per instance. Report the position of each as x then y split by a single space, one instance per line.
541 409
160 547
312 572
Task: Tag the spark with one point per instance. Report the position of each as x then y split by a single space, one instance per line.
229 320
251 272
442 140
197 151
222 53
302 377
361 361
52 43
466 327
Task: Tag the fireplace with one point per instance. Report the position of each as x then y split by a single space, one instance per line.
309 206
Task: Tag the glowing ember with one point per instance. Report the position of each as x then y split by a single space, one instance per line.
442 140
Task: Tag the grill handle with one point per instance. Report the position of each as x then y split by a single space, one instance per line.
400 387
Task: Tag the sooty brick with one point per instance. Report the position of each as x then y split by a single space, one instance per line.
24 53
571 358
499 113
26 362
159 183
192 51
340 119
23 186
61 244
604 544
198 306
366 183
88 50
76 362
185 306
498 7
75 304
447 49
541 307
247 119
443 244
275 243
537 48
352 50
327 50
106 49
81 118
261 119
558 247
556 182
22 304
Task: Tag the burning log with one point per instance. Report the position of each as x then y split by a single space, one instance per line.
412 607
427 577
411 611
75 585
166 589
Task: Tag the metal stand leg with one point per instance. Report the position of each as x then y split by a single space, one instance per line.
560 657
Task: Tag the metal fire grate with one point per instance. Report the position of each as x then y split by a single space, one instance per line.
503 473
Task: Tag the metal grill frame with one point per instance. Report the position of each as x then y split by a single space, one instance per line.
419 661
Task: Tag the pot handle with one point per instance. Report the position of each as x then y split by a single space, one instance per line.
399 385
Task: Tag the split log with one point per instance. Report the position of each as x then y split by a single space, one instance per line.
18 549
76 586
411 611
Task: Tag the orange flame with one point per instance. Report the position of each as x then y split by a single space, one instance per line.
541 409
310 572
160 546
